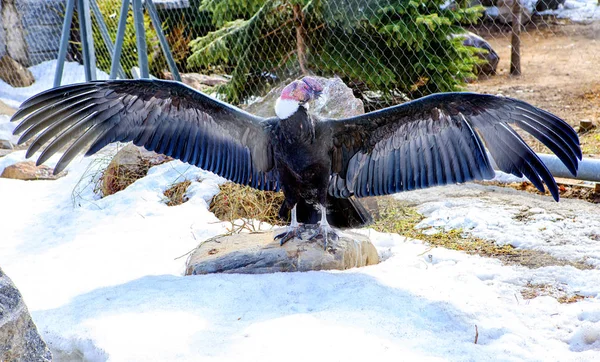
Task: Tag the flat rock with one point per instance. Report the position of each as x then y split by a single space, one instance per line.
19 338
336 101
6 109
258 253
27 170
4 152
6 145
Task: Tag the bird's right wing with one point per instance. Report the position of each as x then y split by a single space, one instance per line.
439 139
162 116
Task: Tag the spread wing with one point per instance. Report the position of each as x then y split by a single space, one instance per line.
440 139
162 116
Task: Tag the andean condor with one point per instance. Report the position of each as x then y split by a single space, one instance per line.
320 164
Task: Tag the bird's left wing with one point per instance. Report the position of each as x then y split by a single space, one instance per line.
437 140
162 116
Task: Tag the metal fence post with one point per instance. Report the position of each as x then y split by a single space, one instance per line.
163 41
87 41
64 42
140 35
104 33
116 60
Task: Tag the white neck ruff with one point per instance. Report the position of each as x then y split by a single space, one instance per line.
284 108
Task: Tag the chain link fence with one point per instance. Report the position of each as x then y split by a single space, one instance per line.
387 51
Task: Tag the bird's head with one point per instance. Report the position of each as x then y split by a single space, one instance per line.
297 94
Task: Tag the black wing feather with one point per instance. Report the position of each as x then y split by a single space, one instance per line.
440 139
163 116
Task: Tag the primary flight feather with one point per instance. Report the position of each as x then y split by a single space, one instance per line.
319 164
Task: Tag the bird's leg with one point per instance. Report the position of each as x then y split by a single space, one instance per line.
293 231
324 229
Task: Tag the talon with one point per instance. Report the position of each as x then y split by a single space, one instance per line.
291 233
325 232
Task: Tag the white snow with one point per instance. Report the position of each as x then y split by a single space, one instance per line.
103 279
43 74
577 10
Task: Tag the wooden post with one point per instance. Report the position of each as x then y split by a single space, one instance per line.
515 52
300 44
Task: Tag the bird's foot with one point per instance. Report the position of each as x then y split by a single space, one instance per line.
326 232
291 233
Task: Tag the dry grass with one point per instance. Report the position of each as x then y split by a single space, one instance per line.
557 292
117 178
176 193
234 203
397 218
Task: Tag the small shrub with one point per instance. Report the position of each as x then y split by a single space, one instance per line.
118 177
176 193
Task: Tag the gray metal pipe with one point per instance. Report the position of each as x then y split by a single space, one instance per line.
64 42
116 60
140 35
163 41
588 170
104 33
87 41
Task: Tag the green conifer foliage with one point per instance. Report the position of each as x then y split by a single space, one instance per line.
390 46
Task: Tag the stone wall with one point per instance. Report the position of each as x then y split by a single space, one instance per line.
2 35
30 31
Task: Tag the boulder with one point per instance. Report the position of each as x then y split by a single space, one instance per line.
258 253
488 54
128 165
502 12
336 101
199 81
6 145
27 170
543 5
15 74
19 338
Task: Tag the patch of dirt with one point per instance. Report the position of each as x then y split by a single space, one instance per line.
560 74
533 290
397 217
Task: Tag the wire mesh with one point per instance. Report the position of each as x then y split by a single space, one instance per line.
387 51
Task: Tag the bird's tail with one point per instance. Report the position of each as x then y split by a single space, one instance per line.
341 213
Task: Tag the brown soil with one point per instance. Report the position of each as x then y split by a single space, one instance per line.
560 73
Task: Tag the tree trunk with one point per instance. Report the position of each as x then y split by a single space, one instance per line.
300 36
515 52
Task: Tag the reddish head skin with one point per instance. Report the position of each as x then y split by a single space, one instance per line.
303 90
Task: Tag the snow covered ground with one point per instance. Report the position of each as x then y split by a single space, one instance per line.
577 10
103 279
43 74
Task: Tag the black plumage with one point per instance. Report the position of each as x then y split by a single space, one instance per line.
435 140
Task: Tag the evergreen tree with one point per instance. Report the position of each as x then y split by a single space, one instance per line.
389 46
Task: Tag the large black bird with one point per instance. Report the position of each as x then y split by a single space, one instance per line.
318 163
